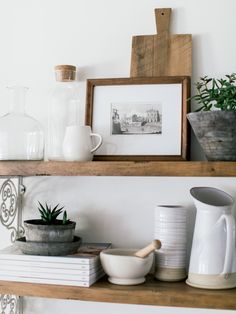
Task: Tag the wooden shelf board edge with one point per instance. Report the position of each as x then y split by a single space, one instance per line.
150 293
118 168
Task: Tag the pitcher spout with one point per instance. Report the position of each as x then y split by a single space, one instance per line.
210 196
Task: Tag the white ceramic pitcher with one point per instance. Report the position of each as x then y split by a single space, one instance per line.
213 254
77 144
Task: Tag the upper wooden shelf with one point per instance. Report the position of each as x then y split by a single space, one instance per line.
119 168
153 292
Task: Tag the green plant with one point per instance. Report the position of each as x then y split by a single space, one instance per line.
49 215
216 93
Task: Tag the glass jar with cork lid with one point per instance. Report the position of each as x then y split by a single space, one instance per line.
63 109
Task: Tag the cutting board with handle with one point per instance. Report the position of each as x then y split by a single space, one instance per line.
163 54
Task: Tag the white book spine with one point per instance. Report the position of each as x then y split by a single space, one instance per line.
51 259
44 270
47 281
49 275
77 266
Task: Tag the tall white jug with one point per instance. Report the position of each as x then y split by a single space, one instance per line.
213 254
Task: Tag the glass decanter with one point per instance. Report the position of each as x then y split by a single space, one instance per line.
21 136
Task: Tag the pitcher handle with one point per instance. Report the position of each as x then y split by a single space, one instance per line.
230 243
99 141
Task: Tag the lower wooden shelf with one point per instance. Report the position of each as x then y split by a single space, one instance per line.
152 292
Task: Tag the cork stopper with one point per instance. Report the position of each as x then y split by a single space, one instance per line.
65 73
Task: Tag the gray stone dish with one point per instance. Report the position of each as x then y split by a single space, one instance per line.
48 248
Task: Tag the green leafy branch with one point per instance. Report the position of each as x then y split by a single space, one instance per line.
216 93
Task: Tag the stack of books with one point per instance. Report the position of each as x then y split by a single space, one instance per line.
81 269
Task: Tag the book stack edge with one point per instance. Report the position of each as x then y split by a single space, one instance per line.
80 269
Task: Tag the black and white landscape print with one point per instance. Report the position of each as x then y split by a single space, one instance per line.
136 118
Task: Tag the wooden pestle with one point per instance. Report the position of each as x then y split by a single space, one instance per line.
155 245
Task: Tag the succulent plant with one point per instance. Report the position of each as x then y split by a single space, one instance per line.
49 215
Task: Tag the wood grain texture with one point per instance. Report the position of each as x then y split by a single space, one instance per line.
153 292
119 168
162 54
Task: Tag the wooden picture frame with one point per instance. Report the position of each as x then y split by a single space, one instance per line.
140 119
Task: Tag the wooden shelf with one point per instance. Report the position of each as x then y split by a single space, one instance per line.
119 168
153 292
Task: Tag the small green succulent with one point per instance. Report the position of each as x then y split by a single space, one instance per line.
49 215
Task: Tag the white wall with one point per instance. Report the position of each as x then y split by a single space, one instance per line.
96 37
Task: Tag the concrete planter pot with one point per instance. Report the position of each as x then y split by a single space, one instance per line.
36 231
216 133
48 248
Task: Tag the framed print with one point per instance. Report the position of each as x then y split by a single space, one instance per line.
139 118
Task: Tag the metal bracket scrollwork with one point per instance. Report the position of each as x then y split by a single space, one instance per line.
10 304
11 218
10 207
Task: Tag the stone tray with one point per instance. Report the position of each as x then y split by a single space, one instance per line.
48 248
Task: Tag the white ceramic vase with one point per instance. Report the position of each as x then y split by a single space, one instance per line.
171 230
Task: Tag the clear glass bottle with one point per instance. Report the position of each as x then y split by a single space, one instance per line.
63 109
21 136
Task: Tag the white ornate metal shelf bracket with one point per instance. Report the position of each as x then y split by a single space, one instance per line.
11 304
11 193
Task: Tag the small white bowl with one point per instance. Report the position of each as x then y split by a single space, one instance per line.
123 268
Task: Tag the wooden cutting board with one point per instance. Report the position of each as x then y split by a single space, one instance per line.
162 54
